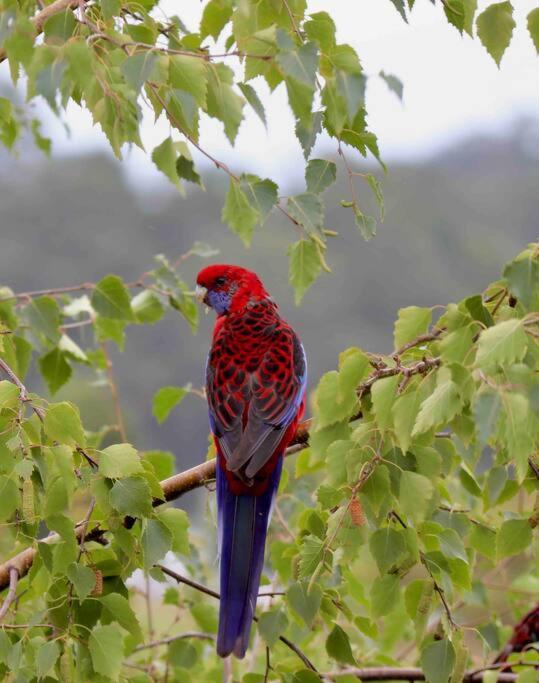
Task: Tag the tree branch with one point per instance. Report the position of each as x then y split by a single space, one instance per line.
171 639
12 592
390 673
208 591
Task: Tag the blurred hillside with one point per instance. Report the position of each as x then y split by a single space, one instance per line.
450 224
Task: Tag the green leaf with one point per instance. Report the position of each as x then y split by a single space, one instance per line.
162 462
351 89
307 134
305 602
401 8
44 316
131 496
304 266
9 498
177 522
62 423
411 322
385 594
82 578
251 96
106 645
46 657
307 209
222 102
438 660
377 191
393 83
321 28
313 552
495 27
483 540
415 495
147 308
190 74
522 274
271 624
501 345
319 175
156 541
514 537
119 460
517 430
388 547
9 394
106 328
138 68
438 409
533 26
55 369
58 28
384 393
261 194
239 214
338 646
110 299
299 63
216 15
165 400
120 610
366 224
164 157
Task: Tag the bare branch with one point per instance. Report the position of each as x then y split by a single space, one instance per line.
12 592
391 673
171 639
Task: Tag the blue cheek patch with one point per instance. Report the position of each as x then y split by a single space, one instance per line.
219 301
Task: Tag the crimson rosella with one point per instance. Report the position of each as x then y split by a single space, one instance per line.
256 374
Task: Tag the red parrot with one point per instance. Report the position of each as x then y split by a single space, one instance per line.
256 375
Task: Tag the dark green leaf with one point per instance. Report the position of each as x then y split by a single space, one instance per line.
438 660
338 646
55 369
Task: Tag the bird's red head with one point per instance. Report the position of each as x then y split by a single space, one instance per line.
227 288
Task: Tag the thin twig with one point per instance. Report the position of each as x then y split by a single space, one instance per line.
171 639
114 393
208 591
12 592
23 393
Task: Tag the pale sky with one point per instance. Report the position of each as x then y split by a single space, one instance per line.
451 87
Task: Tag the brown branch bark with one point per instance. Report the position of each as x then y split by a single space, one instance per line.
12 593
390 673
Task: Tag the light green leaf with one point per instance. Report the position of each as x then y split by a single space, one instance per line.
319 175
271 624
44 317
138 68
251 96
177 522
533 26
131 496
517 430
261 194
514 537
239 214
388 547
385 594
483 540
438 409
190 74
366 224
303 602
110 299
55 369
305 266
222 102
308 211
216 15
164 157
82 578
495 27
9 394
156 541
62 423
411 322
46 657
147 308
9 498
384 393
106 646
338 646
415 495
522 274
162 462
119 460
165 399
119 609
502 344
351 89
438 660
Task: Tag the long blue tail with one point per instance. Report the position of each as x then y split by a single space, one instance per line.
243 523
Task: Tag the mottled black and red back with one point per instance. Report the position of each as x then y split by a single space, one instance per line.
255 379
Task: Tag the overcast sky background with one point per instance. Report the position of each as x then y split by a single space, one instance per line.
452 88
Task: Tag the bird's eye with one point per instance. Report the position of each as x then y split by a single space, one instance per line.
220 281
